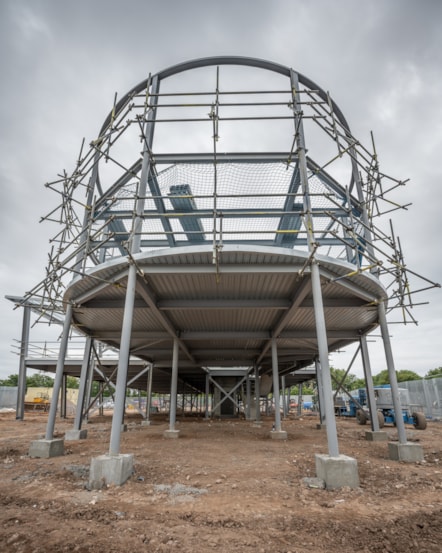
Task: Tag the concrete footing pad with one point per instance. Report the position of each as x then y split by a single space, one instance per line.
409 452
72 435
110 469
146 423
258 424
320 426
47 448
378 436
172 434
337 472
278 435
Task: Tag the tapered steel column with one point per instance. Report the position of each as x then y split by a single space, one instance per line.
276 385
174 385
83 383
392 374
21 392
59 373
369 385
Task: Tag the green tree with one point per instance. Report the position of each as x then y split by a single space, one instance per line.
12 380
434 373
402 376
338 377
72 382
39 381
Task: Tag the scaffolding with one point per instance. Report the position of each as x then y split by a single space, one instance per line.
226 214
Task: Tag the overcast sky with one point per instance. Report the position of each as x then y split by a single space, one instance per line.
62 62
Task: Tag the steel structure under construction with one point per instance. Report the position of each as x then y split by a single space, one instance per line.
224 219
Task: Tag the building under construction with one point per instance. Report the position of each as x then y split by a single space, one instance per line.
224 231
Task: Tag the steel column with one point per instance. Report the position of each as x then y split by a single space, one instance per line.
257 395
83 383
392 374
276 385
21 392
135 240
332 434
322 418
206 404
284 399
321 331
59 373
369 384
63 397
123 363
149 392
174 385
248 397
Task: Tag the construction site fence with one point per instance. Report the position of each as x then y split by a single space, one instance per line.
427 394
8 397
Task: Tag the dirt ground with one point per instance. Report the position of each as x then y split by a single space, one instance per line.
222 486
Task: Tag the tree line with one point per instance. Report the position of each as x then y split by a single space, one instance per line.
350 381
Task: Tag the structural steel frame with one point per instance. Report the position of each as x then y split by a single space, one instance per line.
223 271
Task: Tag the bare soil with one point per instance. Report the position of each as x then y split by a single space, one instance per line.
222 486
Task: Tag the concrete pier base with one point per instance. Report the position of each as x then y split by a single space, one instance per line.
278 435
409 452
337 472
258 424
124 428
47 448
146 423
110 469
72 435
320 426
378 436
172 434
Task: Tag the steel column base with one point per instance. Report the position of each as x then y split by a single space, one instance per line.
278 435
72 435
172 434
47 448
110 470
408 452
376 436
337 472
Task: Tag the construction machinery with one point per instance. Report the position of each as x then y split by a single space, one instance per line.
357 406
